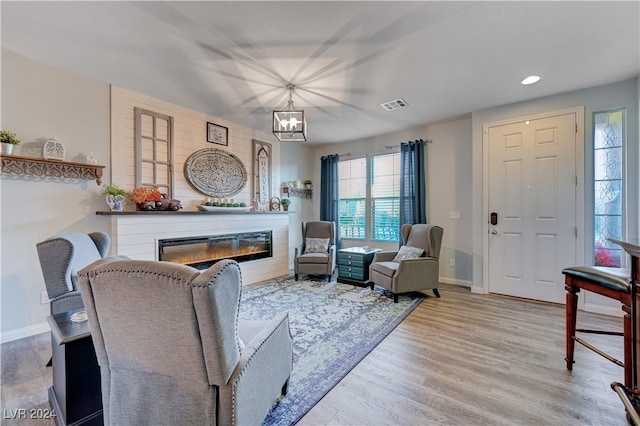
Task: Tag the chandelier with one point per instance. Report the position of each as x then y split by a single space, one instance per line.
290 125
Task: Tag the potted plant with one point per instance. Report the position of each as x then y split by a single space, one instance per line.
8 141
285 204
308 183
115 197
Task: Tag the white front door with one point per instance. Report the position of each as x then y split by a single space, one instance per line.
532 193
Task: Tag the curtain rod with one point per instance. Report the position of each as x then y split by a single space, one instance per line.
346 154
395 146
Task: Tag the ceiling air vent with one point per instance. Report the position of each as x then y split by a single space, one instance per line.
396 104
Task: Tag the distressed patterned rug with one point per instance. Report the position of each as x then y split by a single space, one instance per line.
334 326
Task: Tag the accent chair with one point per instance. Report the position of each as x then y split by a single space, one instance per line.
171 349
415 266
61 257
317 254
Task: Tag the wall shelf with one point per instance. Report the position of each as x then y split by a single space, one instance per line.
297 192
59 169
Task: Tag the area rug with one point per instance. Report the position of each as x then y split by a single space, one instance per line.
334 326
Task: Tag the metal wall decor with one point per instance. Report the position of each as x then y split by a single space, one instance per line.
215 172
217 134
261 171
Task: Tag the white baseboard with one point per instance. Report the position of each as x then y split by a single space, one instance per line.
455 281
20 333
605 310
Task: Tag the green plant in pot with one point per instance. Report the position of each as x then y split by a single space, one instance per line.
308 183
8 141
285 204
115 197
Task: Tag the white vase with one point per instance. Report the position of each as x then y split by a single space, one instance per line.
7 148
115 202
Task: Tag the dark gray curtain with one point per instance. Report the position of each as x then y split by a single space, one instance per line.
329 196
413 185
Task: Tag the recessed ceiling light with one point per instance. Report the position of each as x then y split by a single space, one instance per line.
530 80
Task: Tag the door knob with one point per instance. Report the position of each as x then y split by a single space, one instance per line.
494 232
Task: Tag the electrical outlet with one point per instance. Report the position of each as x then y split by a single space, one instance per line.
44 298
452 263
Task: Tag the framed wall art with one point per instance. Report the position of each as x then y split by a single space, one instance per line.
217 134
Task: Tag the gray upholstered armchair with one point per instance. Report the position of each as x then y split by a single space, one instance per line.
409 269
61 257
317 255
171 349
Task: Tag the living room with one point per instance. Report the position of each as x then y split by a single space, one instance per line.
92 116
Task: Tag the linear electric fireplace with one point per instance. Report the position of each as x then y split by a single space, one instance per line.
202 252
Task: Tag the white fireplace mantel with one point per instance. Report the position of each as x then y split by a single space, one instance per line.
136 235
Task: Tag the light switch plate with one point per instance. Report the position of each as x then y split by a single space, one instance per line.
455 215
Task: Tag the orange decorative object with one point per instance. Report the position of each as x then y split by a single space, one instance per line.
152 199
142 194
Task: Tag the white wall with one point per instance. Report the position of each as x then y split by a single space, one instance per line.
297 164
449 186
621 94
39 102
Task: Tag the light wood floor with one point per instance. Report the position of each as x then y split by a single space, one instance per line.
462 359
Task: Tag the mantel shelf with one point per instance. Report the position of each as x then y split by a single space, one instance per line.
298 192
41 167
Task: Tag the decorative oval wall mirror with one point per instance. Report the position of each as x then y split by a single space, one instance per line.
215 172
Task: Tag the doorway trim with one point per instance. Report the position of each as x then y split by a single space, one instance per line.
580 184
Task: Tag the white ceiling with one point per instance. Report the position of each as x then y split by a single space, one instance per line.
232 60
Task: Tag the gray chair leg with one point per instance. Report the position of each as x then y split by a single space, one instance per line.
436 292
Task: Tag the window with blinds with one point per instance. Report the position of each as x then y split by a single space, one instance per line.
385 197
352 175
370 201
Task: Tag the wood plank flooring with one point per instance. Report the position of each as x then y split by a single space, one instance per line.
462 359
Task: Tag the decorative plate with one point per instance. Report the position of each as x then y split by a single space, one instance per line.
53 150
215 172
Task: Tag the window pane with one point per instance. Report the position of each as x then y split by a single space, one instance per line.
385 201
162 127
147 149
386 220
162 152
352 218
352 175
607 162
